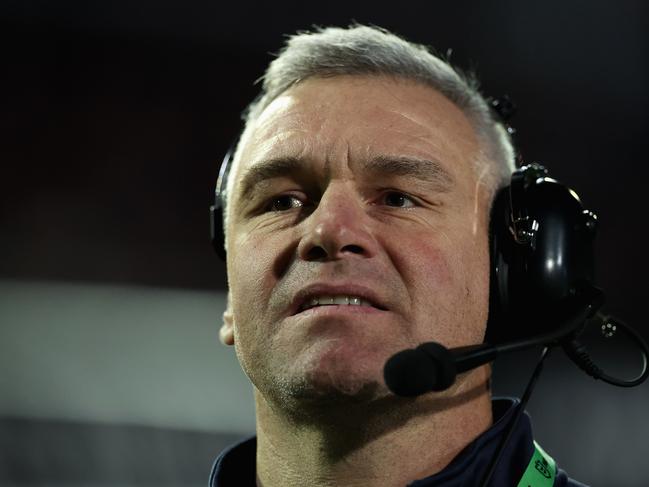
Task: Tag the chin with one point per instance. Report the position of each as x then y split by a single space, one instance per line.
315 397
334 376
348 385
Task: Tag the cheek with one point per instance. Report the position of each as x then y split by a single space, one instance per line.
250 283
249 280
249 264
448 281
471 303
428 268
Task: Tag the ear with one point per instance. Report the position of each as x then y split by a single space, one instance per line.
226 333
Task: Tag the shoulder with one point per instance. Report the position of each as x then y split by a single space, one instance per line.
236 466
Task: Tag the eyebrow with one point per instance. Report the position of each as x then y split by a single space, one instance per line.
266 170
429 170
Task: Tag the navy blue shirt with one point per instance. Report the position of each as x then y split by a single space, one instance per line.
236 466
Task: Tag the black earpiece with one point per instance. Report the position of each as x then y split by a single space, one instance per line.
541 251
541 247
217 234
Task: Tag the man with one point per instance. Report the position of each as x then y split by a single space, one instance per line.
357 226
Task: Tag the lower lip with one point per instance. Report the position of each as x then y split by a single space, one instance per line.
334 309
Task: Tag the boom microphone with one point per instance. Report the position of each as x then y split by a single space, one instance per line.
412 372
433 367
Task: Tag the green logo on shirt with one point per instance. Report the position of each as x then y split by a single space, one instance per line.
541 470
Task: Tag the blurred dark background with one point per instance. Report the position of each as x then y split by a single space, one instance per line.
113 120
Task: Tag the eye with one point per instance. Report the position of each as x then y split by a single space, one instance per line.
284 202
398 200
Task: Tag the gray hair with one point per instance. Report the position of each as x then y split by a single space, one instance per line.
364 50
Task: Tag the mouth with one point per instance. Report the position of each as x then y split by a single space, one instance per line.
310 299
340 300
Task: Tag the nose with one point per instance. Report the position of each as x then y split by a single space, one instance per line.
338 228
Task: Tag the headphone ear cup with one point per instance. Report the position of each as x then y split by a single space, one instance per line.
217 232
541 252
216 229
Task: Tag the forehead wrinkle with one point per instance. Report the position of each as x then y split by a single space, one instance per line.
411 119
427 131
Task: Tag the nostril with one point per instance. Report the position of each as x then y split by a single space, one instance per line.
316 253
354 249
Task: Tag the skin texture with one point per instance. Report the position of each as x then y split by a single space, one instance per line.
332 218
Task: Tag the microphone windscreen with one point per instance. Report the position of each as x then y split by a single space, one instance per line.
410 373
429 367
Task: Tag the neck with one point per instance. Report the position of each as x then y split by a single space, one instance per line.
388 442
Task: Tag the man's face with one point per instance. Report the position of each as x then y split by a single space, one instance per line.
354 190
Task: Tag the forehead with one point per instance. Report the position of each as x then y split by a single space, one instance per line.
353 117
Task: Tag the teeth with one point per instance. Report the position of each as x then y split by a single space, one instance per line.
339 300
